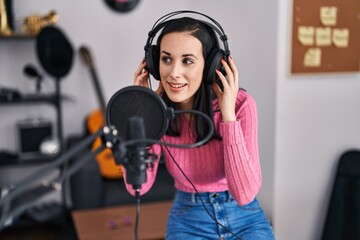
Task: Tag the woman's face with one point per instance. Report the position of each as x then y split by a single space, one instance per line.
181 67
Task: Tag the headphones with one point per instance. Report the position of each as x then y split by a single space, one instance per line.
213 60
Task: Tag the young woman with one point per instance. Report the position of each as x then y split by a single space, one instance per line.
224 173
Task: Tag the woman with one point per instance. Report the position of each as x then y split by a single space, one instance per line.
226 170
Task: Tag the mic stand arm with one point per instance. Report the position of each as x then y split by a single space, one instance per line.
25 187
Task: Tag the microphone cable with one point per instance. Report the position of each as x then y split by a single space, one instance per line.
193 145
137 196
185 146
197 193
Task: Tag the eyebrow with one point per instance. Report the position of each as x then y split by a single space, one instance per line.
184 55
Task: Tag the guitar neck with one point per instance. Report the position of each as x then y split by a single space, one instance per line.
98 89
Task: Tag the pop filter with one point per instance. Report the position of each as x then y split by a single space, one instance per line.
137 101
54 51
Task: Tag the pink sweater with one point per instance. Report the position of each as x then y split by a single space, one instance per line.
231 164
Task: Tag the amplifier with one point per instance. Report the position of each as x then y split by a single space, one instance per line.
30 134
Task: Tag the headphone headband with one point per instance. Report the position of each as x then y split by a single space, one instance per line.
212 61
162 21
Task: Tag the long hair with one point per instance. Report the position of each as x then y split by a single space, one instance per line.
204 96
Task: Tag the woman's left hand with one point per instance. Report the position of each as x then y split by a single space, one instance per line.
227 96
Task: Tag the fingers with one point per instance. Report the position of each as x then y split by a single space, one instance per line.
141 75
223 80
216 90
234 71
231 71
231 81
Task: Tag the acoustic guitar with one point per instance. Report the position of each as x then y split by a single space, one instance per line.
96 120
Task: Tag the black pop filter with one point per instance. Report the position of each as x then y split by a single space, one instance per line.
54 51
137 101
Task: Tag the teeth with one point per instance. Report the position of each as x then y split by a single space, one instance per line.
177 85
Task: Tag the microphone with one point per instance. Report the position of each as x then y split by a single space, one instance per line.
31 71
137 154
137 113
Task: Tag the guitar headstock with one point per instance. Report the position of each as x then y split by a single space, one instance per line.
85 55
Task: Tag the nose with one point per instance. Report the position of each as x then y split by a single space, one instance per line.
176 70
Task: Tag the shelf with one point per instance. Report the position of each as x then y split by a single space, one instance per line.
17 36
30 99
35 160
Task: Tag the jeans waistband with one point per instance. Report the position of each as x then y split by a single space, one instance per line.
205 196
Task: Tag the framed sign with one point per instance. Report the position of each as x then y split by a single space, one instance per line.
325 36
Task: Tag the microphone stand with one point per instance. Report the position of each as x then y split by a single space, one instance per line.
17 200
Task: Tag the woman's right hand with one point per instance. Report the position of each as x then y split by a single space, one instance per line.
141 76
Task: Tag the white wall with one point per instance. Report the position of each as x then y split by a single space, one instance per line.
317 119
117 42
305 122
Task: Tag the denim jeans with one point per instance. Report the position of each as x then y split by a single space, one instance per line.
189 220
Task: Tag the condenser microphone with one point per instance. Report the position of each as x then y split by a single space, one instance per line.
136 155
137 113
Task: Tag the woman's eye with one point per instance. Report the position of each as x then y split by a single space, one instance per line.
166 59
187 61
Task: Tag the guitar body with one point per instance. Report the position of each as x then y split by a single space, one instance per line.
95 121
105 159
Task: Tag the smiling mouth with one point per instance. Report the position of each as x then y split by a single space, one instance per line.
177 85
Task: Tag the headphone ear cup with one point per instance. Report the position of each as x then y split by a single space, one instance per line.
213 62
152 61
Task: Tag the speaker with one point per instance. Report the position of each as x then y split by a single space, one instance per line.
213 60
31 134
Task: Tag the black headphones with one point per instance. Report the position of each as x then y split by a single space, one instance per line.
213 60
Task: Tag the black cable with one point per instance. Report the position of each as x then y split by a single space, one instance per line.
137 196
193 145
197 192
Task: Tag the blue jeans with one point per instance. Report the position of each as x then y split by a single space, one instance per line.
189 220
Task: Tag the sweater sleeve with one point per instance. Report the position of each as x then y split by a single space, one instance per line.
150 173
241 157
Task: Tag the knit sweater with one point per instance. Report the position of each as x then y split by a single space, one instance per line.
228 164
